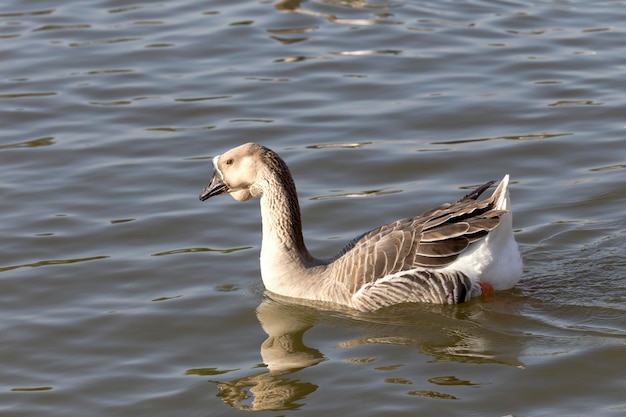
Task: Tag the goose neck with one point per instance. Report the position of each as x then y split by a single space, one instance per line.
282 225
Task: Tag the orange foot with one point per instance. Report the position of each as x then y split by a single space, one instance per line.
487 289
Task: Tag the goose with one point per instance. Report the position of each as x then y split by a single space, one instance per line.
447 255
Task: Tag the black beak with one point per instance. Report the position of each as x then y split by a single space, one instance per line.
216 187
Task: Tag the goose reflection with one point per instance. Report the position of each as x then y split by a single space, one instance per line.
447 333
285 325
283 353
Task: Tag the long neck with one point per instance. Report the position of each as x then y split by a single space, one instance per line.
282 224
284 257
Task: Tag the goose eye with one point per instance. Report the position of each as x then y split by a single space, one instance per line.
229 161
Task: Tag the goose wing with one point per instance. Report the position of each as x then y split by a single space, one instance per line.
417 285
430 241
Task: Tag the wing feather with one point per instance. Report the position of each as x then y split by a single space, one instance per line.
417 286
432 240
445 231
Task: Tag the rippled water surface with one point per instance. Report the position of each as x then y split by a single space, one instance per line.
122 295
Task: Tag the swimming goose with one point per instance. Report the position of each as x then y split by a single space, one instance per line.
447 255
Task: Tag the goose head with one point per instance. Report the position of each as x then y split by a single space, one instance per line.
237 172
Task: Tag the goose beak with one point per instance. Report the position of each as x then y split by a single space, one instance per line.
216 187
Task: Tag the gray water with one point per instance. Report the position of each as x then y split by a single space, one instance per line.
122 295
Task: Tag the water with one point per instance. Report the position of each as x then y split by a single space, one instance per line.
122 294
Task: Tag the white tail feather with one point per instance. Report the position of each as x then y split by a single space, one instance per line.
495 260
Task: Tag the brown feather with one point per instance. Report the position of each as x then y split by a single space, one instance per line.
445 231
443 248
432 240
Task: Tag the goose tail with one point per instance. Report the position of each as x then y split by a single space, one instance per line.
501 195
495 260
505 268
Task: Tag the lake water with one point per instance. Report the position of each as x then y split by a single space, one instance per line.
123 295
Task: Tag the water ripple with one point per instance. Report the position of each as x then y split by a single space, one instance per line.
382 109
51 262
33 143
